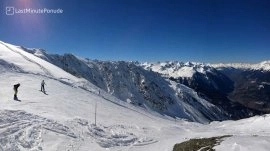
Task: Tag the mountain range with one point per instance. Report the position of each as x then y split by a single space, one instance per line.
194 91
139 106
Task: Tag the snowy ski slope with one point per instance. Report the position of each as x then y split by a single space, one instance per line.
64 118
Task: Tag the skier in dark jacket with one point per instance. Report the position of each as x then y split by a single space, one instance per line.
15 88
43 86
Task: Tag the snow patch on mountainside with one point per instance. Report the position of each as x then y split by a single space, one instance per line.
196 104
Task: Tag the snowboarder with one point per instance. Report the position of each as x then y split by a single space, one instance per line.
43 86
15 88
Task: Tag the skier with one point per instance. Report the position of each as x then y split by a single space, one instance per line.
42 86
15 88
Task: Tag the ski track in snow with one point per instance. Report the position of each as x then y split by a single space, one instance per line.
21 130
116 135
112 135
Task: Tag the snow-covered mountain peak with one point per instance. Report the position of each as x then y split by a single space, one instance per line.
177 69
264 66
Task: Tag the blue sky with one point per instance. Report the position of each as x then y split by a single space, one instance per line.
144 30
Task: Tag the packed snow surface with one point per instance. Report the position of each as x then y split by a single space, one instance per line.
64 117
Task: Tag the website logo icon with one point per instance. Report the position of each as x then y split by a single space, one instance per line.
9 10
